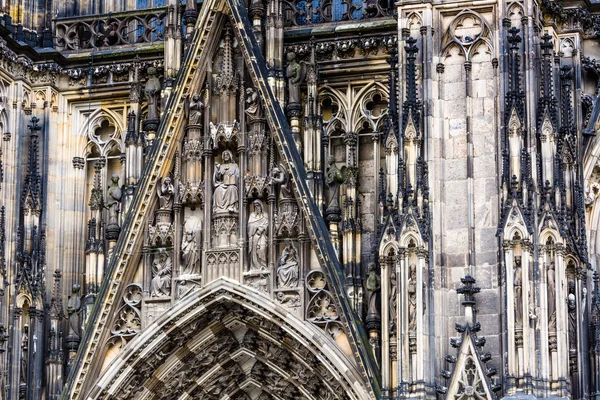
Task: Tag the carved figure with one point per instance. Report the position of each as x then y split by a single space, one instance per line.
288 271
189 253
24 354
294 74
279 176
225 180
161 271
152 92
193 110
551 284
333 179
258 223
572 309
393 302
373 286
412 298
518 285
73 308
253 106
165 191
113 200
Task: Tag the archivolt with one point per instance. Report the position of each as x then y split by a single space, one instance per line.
226 342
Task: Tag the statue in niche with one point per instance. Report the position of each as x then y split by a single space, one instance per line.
258 223
280 177
189 253
333 179
193 110
152 92
412 298
253 106
225 179
293 73
165 191
551 284
24 354
288 270
572 310
373 286
393 300
161 271
518 285
73 308
114 194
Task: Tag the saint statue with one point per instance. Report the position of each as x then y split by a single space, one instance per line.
518 285
113 200
73 308
373 286
333 179
572 309
288 271
161 271
294 74
193 110
253 106
189 253
280 177
551 289
258 224
412 298
225 179
152 92
165 191
393 300
24 354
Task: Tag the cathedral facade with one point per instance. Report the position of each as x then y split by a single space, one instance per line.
299 199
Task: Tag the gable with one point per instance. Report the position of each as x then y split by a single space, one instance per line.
160 161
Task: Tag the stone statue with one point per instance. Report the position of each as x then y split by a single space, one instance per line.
393 300
113 201
373 286
189 253
518 285
152 92
294 74
193 110
572 309
258 224
333 179
73 308
24 354
165 191
412 298
288 271
225 180
551 288
161 280
253 107
280 177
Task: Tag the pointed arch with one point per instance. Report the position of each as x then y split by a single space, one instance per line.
225 328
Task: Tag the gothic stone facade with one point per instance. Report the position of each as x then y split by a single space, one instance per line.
290 199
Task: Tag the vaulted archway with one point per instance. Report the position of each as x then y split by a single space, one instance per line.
227 342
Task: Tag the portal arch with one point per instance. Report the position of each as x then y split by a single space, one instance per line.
225 341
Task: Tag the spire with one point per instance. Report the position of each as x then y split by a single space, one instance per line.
33 181
411 107
547 101
514 97
471 373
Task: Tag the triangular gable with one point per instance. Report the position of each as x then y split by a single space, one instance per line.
469 379
514 218
160 162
